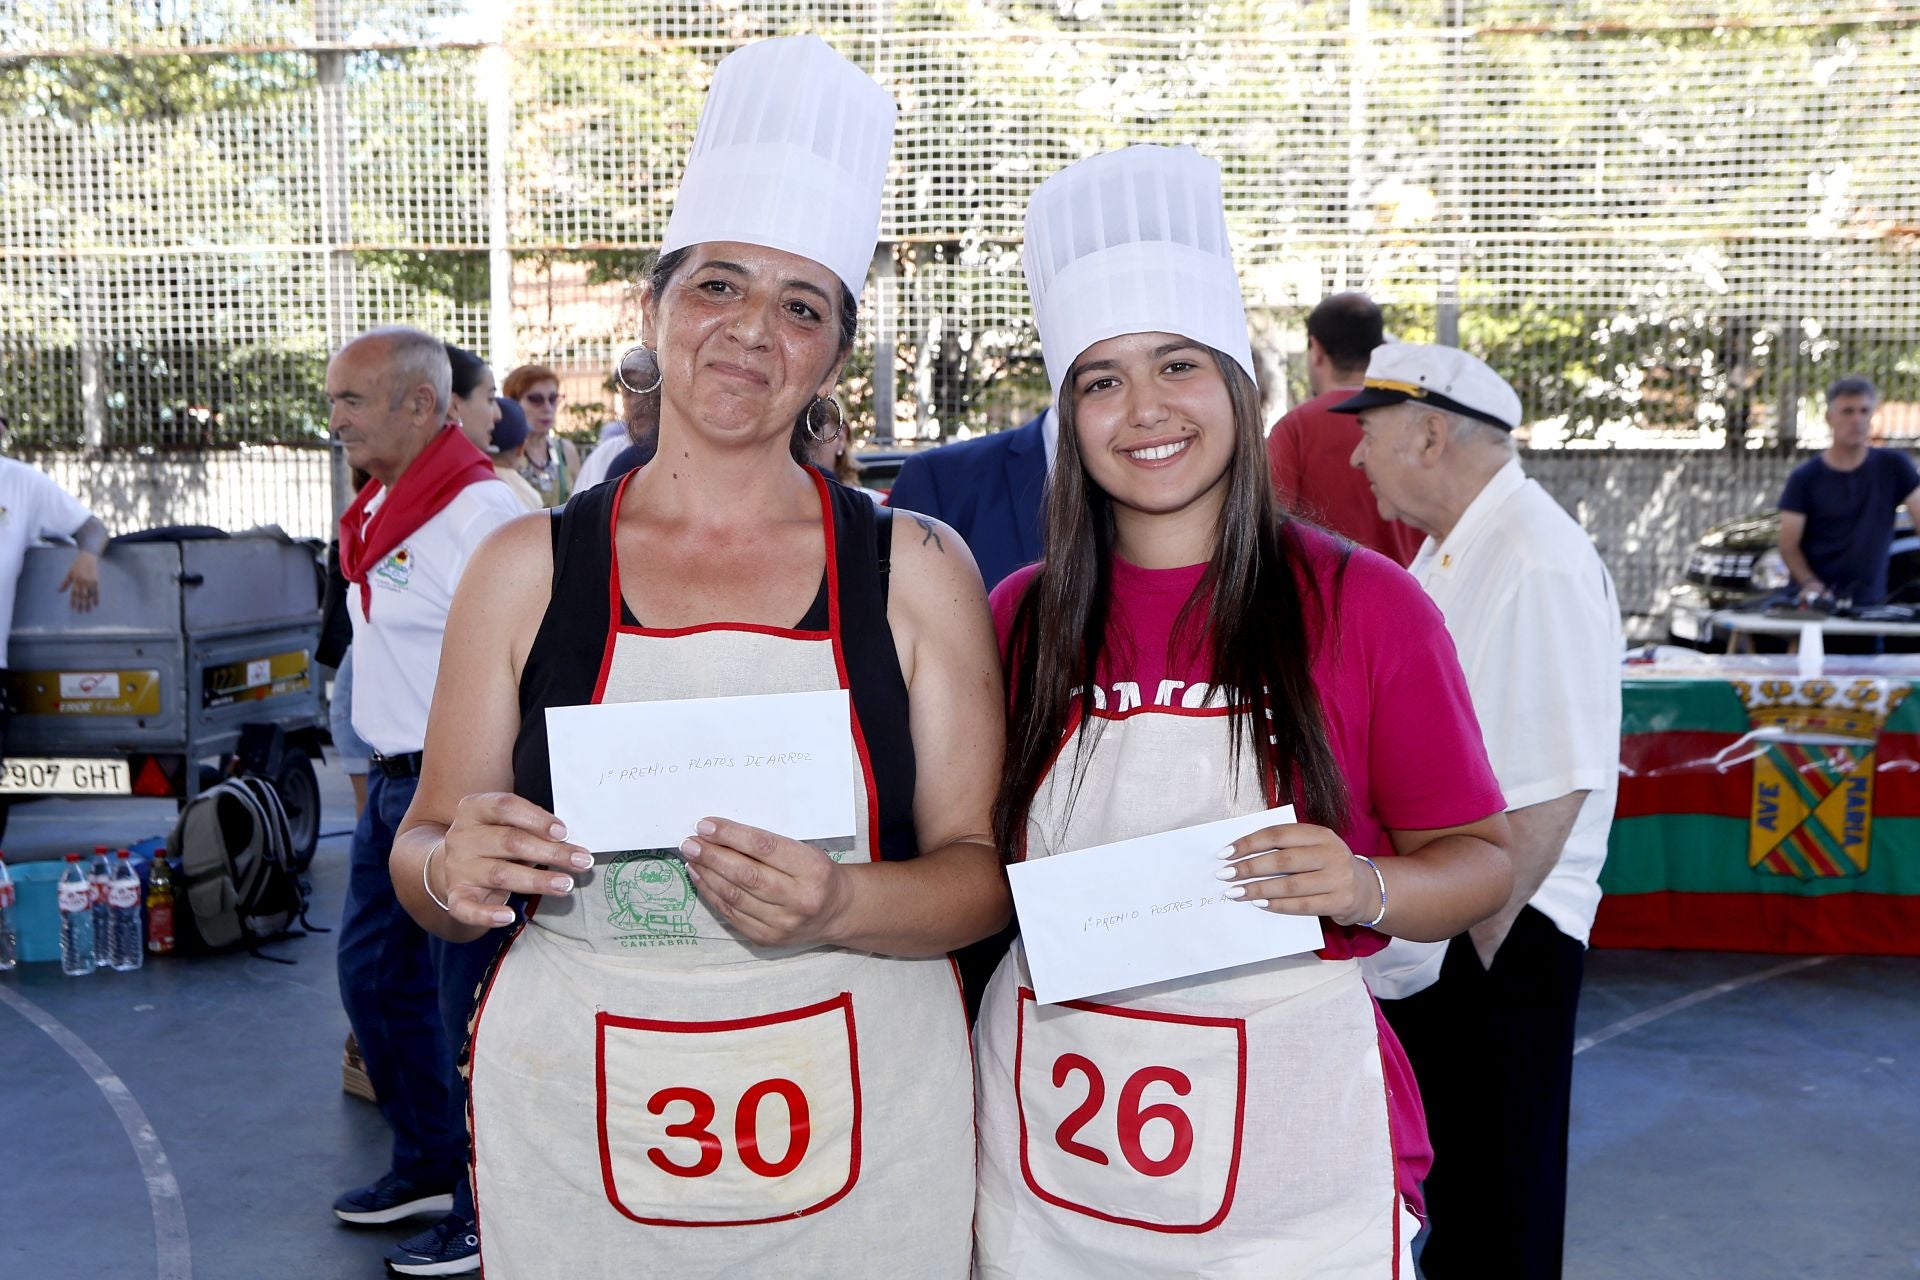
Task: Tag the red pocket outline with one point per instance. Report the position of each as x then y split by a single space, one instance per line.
1239 1026
603 1020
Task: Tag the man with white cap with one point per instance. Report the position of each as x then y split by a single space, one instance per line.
1186 654
1488 1018
745 1055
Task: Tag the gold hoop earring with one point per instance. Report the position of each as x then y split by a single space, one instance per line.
644 363
821 433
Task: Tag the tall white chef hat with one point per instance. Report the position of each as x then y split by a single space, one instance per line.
1132 241
791 154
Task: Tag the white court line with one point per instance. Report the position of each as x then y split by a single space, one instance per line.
1641 1019
50 818
163 1190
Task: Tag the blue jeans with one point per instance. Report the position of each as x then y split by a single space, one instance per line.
349 746
408 997
461 966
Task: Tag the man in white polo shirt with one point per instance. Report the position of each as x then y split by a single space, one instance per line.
33 507
1487 1019
403 546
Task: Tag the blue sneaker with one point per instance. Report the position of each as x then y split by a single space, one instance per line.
451 1247
391 1199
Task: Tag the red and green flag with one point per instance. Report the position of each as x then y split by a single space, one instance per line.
1766 813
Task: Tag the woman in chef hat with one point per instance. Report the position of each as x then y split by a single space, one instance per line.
747 1055
1183 654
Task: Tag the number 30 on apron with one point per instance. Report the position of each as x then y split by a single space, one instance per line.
1225 1125
652 1095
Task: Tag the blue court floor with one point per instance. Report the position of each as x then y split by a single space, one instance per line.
1735 1116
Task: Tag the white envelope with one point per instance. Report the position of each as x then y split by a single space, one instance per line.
1146 910
638 775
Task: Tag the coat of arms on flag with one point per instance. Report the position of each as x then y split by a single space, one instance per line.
1815 743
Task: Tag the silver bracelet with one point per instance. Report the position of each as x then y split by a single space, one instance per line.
426 880
1378 878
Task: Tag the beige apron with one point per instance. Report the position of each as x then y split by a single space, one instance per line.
654 1096
1233 1124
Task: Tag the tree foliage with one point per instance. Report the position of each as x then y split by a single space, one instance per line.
1689 226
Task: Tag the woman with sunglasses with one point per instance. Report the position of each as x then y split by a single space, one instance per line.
1183 654
747 1055
549 462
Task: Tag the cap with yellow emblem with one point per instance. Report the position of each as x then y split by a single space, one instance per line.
1439 377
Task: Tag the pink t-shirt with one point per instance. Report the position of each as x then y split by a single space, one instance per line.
1397 712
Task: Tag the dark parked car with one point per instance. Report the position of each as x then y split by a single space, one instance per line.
1739 563
879 467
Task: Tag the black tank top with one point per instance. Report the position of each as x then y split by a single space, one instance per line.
564 663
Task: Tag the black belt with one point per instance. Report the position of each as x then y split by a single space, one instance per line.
406 766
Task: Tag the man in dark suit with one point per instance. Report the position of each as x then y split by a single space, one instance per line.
989 489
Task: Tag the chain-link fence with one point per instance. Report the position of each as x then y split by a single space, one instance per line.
1664 221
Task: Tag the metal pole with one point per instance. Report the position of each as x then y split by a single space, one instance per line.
885 274
87 296
1452 217
495 69
1358 69
336 218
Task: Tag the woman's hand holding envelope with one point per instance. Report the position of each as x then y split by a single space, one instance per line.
500 845
775 891
1303 870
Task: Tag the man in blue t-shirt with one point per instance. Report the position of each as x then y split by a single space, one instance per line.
1836 512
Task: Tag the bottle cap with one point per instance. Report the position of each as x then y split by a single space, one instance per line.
123 854
73 857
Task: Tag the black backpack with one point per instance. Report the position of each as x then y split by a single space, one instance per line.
237 887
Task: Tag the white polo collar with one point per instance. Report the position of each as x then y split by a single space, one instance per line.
1503 484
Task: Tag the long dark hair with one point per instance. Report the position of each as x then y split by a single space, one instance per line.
1258 597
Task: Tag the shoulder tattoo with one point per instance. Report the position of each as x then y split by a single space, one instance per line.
932 534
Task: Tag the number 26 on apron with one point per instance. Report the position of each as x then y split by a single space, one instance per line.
1232 1124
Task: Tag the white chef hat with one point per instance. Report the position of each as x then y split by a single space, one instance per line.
791 154
1132 241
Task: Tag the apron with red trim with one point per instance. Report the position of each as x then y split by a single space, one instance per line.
653 1095
1231 1124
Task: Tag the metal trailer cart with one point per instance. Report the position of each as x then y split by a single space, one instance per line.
199 651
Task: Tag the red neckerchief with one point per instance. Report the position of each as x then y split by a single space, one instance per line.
434 479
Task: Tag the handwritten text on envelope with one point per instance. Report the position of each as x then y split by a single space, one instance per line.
638 775
1146 910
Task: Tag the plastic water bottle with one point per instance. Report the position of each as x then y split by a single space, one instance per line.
99 874
9 940
124 949
1813 651
76 920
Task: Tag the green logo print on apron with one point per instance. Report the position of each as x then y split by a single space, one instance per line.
649 900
